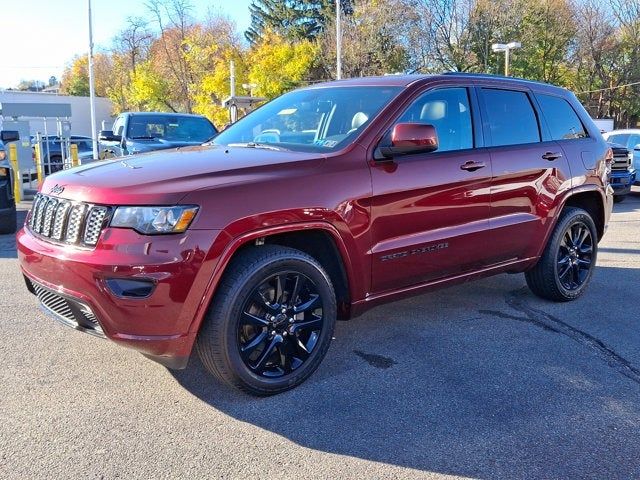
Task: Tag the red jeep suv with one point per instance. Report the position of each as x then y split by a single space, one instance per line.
317 206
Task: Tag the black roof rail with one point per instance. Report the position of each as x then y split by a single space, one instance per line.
493 76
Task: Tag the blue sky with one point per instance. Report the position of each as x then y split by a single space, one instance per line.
40 36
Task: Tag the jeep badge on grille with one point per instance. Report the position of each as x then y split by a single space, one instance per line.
57 189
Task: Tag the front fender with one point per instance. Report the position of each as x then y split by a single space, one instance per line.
226 246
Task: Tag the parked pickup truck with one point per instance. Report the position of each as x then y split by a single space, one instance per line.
136 132
623 175
315 207
7 200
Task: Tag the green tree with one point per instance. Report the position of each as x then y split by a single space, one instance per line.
373 41
292 19
547 31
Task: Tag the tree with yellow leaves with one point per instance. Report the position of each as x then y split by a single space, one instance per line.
277 65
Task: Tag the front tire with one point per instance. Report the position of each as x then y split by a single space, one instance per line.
566 266
270 323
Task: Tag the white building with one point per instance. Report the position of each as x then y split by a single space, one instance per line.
80 112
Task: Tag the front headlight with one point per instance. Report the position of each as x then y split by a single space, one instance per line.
154 220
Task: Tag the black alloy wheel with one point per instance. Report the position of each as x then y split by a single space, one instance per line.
575 256
280 324
270 322
566 266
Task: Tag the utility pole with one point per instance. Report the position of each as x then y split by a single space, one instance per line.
506 48
338 42
233 111
92 92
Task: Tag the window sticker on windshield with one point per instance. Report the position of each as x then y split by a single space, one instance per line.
329 143
288 111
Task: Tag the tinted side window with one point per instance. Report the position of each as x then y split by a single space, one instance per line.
561 118
447 109
511 117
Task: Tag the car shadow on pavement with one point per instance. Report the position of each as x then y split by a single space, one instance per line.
482 380
630 204
8 242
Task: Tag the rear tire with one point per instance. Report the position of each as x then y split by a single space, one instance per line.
271 321
9 222
567 263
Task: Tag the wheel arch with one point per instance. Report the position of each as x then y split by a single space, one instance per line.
592 202
321 240
587 197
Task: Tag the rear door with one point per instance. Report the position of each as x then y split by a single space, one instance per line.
530 170
430 210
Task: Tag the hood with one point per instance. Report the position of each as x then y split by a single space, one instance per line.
618 149
164 177
148 145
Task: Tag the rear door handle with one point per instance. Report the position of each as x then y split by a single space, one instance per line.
551 156
472 166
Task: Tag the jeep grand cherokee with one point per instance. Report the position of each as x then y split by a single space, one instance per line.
315 207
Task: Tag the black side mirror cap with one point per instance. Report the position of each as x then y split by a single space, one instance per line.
108 136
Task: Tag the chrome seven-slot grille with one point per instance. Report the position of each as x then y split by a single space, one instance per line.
68 222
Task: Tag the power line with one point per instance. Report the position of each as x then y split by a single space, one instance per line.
609 88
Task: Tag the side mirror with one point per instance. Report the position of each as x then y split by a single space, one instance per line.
108 136
407 138
9 136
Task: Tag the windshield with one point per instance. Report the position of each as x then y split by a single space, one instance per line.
311 120
171 128
620 139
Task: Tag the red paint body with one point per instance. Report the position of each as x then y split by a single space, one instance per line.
401 226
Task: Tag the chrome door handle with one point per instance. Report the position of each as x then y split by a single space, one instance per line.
551 156
472 166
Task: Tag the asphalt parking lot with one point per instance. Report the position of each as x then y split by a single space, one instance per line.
482 380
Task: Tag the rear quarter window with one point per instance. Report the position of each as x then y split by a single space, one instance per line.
561 118
511 117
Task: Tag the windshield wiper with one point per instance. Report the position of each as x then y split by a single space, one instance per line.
265 146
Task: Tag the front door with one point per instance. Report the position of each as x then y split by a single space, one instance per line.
430 211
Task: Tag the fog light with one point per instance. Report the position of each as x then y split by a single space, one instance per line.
127 288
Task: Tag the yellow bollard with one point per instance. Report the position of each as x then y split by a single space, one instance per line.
74 155
17 180
38 164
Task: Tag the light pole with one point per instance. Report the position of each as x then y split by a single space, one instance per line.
338 42
506 48
92 92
